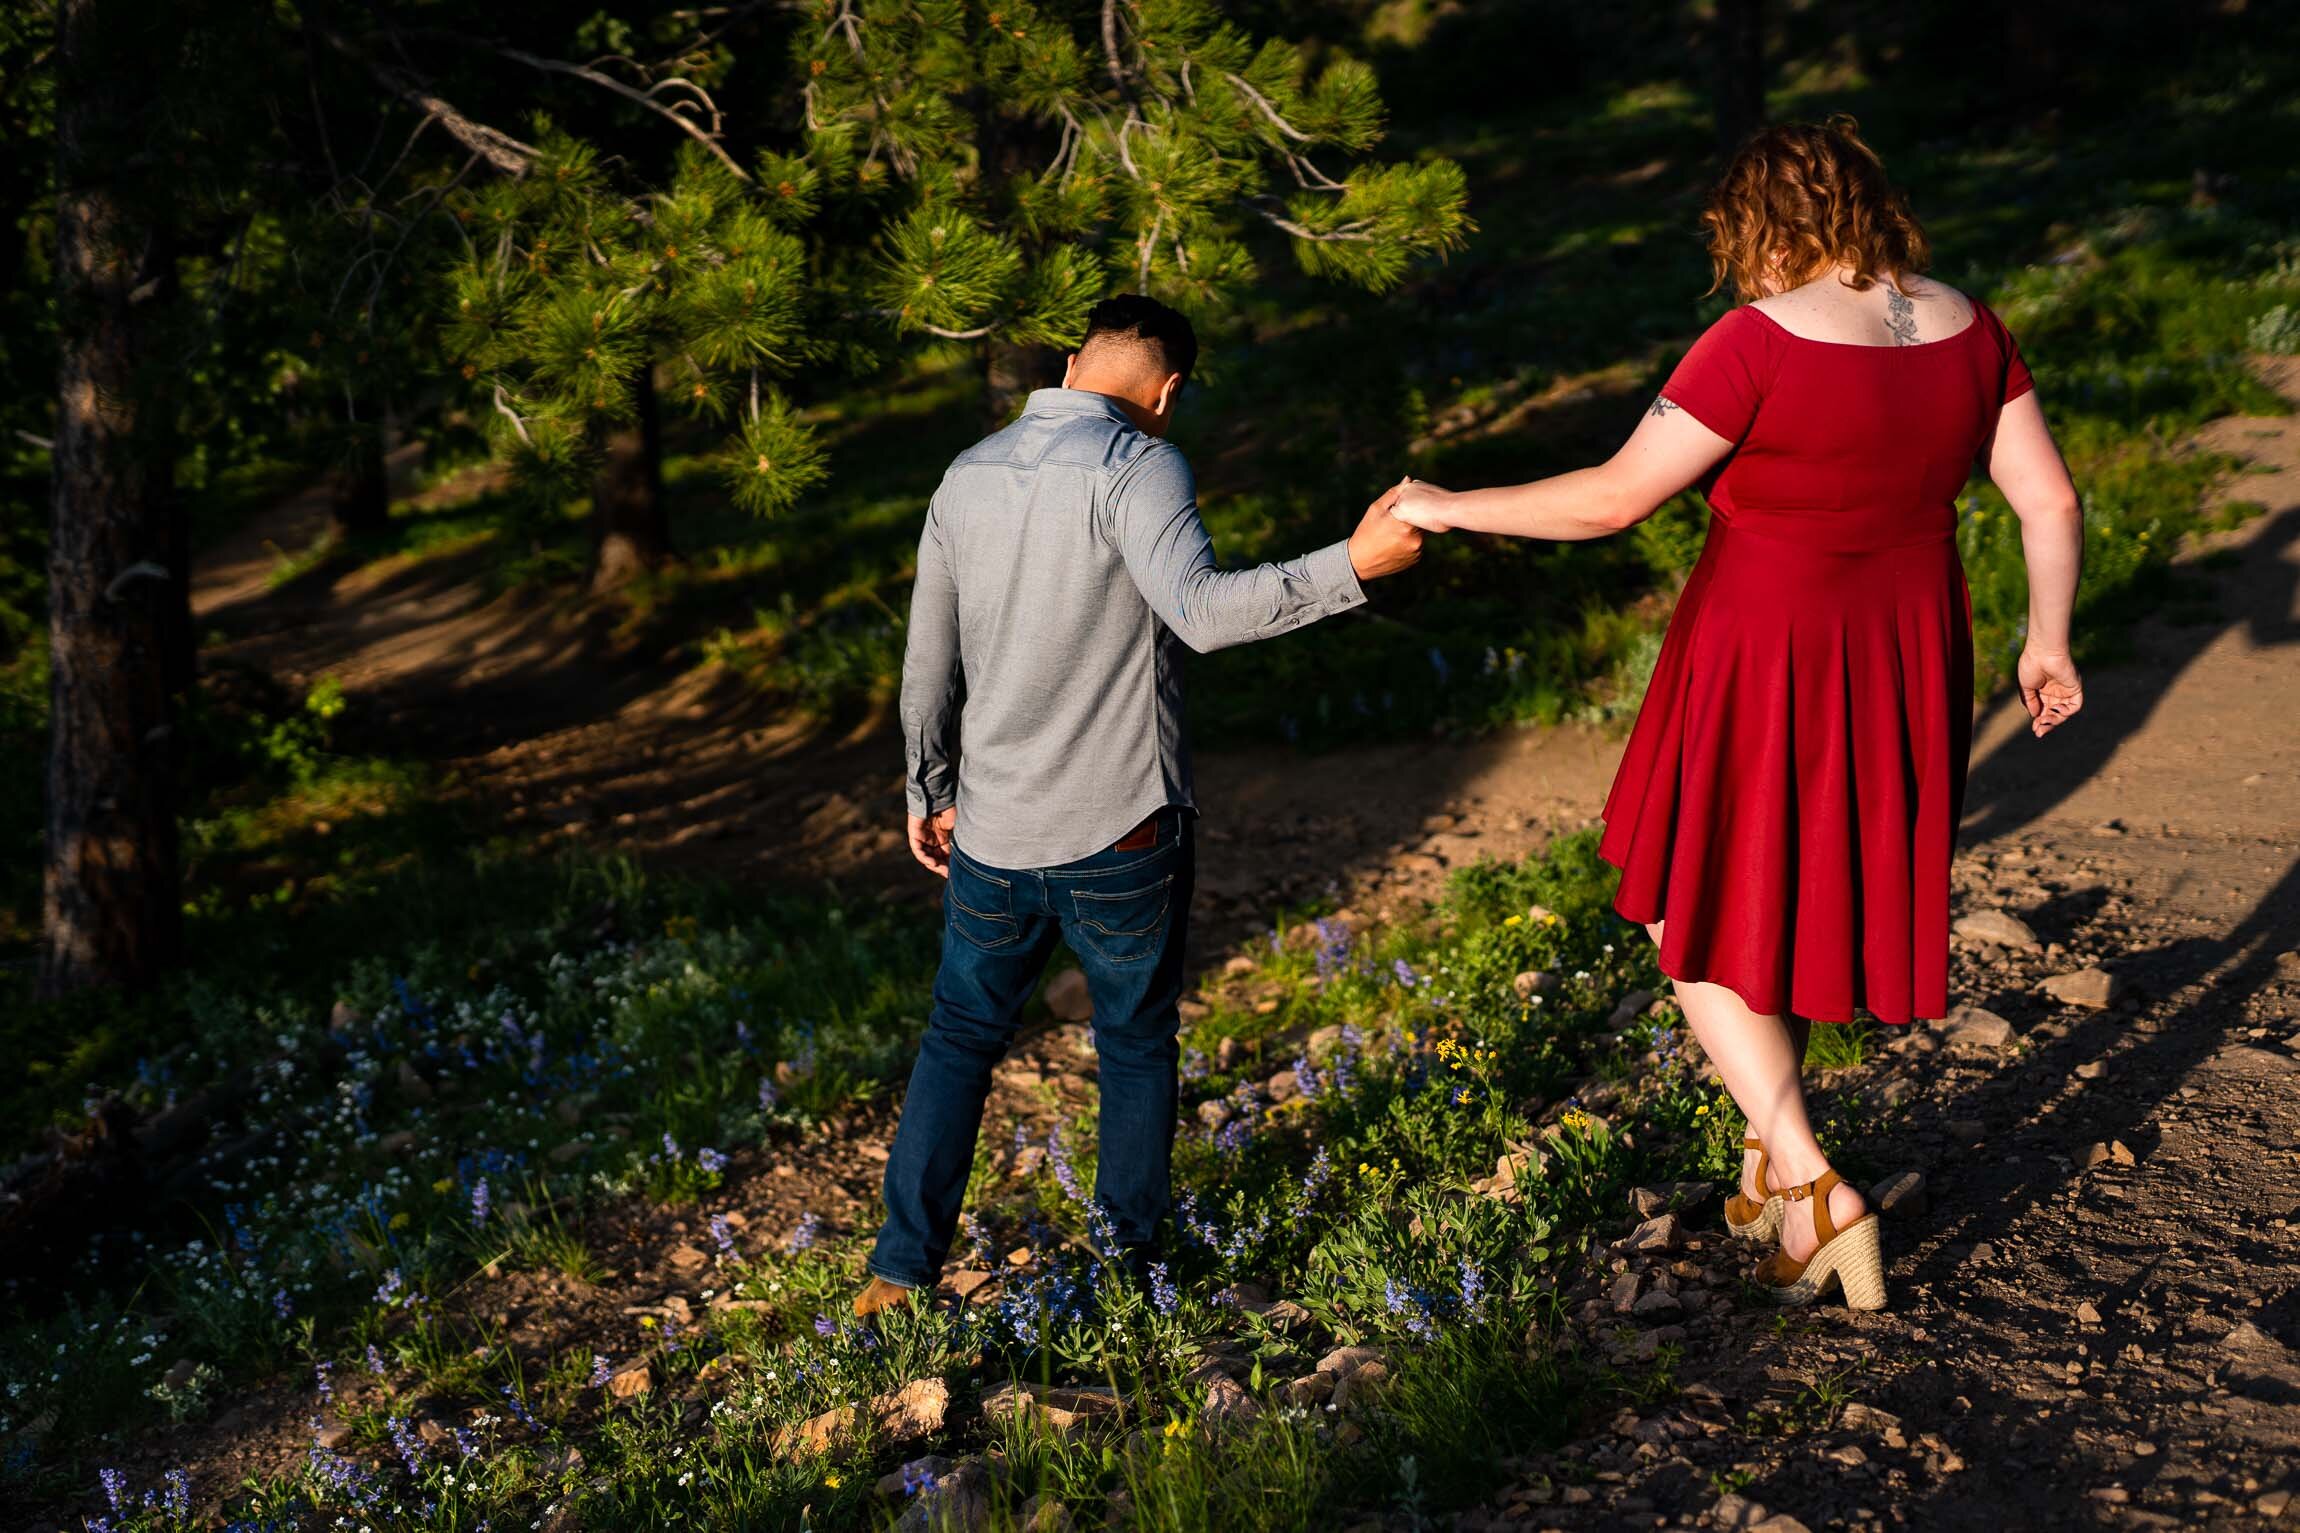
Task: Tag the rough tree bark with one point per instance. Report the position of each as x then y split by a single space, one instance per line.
110 905
1738 59
631 530
1009 373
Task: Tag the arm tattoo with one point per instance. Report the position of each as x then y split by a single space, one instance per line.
1900 318
1662 405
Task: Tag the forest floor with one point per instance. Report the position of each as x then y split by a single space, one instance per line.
2094 1320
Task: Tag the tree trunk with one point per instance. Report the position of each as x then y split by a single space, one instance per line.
111 899
631 528
1738 57
1009 373
360 492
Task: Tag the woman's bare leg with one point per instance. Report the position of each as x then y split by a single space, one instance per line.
1761 1060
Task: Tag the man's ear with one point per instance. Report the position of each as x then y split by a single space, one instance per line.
1069 369
1168 392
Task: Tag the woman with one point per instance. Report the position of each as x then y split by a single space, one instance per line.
1784 814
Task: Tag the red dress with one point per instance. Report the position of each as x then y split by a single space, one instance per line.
1789 797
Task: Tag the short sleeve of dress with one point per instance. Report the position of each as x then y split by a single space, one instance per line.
2016 375
1723 378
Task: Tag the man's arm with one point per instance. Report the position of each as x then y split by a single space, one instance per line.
933 685
1153 515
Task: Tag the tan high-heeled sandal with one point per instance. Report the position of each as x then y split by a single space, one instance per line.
1755 1218
1853 1258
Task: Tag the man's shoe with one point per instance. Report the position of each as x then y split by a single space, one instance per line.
881 1295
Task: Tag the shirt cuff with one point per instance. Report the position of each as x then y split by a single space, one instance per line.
1336 578
916 802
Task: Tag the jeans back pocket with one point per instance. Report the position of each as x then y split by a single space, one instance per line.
1128 926
980 908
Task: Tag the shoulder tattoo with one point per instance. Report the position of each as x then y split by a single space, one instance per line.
1900 318
1662 405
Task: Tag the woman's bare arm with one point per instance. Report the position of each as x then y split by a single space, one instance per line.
2024 463
1668 451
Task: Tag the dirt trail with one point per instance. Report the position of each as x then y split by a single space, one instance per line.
2094 1319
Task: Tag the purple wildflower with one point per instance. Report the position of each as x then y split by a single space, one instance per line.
1334 941
917 1479
1472 1289
826 1327
670 1146
319 1377
481 1201
374 1360
766 1094
804 1234
602 1369
710 1160
1058 1157
282 1305
1306 1077
408 1445
1163 1297
115 1483
723 1234
388 1291
176 1500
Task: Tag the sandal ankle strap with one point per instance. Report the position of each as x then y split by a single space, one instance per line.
1818 1189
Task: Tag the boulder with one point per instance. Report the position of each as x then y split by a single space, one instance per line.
1997 928
1976 1027
2093 988
1669 1197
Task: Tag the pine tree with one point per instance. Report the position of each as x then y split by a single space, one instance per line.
580 301
1029 158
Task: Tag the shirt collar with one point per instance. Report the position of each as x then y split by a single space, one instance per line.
1074 402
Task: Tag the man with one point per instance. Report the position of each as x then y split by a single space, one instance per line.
1062 569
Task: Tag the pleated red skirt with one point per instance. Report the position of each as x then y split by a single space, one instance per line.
1789 799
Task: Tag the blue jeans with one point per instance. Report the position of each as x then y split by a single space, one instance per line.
1126 915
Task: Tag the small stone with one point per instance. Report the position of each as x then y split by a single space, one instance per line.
1214 1112
1364 1382
685 1258
2273 1504
1663 1232
2122 1154
1533 982
1283 1086
2086 1314
1658 1305
333 1435
2095 1154
1983 1254
343 1017
1624 1292
1779 1522
1631 1006
1228 1404
1067 997
2092 1070
1735 1512
1240 964
631 1382
1997 927
1902 1193
966 1280
1018 1257
1975 1027
2094 988
916 1410
1667 1197
1311 1389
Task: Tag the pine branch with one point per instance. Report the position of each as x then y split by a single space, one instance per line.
496 147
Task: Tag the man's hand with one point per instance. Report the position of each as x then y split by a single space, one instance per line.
1383 545
930 840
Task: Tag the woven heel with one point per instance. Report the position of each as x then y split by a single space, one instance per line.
1745 1216
1852 1258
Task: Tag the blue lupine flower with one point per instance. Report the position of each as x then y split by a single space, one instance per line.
519 1407
319 1376
409 1446
1306 1076
601 1370
388 1291
917 1479
115 1483
1405 973
1163 1296
282 1305
374 1361
670 1146
803 1237
766 1094
710 1160
723 1234
1439 665
1472 1289
826 1327
1058 1158
481 1201
1333 947
176 1501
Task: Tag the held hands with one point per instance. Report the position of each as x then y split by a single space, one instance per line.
1383 545
1421 504
2050 689
930 840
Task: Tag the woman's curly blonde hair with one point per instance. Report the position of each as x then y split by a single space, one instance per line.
1802 198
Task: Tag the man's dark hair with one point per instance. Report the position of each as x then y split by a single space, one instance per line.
1144 321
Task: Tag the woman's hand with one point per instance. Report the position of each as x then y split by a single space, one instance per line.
1421 504
2050 689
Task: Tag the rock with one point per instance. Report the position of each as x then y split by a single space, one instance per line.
1239 964
1311 1389
958 1502
411 1085
2092 1070
1225 1053
2273 1504
1062 1408
1669 1197
1632 1005
631 1382
1735 1512
1214 1112
966 1280
1967 1131
916 1410
1502 1185
685 1258
1362 1383
818 1434
332 1436
1779 1522
2094 988
1974 1027
1344 1361
1228 1404
1623 1294
2087 1314
2095 1154
1663 1232
571 1149
904 1481
1282 1087
1901 1193
1658 1305
1067 997
1533 982
2119 1152
1997 927
1018 1257
1324 1043
1040 1515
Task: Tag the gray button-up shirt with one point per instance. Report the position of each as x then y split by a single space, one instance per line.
1062 567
